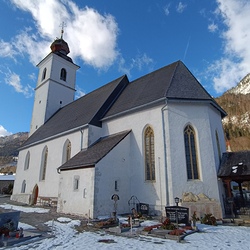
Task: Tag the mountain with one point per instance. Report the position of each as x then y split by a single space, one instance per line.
9 150
236 102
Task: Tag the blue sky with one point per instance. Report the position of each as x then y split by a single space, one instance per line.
111 38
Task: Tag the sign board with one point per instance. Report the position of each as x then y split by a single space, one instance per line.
9 220
183 214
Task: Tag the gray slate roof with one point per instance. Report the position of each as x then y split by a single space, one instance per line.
93 154
88 109
174 82
235 165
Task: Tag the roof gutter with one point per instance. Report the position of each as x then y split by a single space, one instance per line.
134 109
55 136
213 103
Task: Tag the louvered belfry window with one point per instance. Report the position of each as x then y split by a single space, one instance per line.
149 154
191 153
63 74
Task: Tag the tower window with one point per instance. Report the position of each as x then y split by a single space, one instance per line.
63 74
44 74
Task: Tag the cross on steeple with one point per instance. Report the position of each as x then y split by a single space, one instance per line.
63 24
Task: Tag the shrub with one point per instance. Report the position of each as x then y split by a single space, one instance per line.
209 219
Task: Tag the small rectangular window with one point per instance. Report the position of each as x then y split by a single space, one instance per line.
76 182
116 186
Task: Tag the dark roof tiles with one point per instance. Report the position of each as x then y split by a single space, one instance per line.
235 164
170 82
91 156
80 112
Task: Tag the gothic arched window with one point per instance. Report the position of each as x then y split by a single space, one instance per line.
63 74
44 163
27 161
44 74
23 187
66 151
191 153
149 154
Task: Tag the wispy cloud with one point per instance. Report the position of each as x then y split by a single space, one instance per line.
13 80
79 92
6 49
4 132
92 37
235 63
180 7
138 62
212 27
166 9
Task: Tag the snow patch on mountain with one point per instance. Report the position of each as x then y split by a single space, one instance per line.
243 87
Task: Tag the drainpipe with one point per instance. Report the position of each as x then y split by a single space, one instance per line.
165 152
81 130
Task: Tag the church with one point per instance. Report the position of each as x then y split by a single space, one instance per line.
155 138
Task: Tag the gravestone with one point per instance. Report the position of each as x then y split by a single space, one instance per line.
182 212
9 220
143 208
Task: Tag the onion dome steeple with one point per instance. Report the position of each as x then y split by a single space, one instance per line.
59 45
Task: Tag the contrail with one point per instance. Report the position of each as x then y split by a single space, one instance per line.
186 49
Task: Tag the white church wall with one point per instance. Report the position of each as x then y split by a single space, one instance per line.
113 176
38 114
21 176
60 98
150 192
49 186
59 63
94 133
216 125
78 201
178 116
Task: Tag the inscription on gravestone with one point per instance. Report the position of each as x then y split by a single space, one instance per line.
183 214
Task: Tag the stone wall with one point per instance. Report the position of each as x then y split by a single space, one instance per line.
201 204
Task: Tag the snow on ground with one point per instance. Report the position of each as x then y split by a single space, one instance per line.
210 237
25 209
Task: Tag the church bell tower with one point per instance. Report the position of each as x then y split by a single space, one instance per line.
55 84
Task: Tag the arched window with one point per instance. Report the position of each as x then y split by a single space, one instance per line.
63 74
27 161
66 151
191 153
23 186
149 154
44 74
218 144
44 163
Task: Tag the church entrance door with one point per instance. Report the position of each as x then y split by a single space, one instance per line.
34 195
